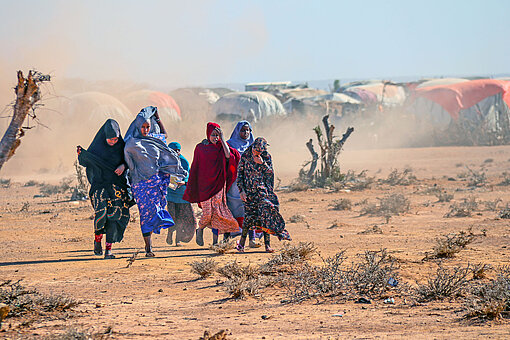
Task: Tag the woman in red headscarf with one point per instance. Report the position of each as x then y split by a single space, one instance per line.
212 172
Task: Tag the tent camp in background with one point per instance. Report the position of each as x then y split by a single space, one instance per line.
337 104
387 93
440 81
167 107
478 109
252 106
96 107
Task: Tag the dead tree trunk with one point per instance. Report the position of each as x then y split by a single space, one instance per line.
27 94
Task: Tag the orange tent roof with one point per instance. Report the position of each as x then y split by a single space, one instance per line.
460 96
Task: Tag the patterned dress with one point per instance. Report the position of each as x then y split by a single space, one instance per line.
261 206
150 196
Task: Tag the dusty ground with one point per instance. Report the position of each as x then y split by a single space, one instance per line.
49 246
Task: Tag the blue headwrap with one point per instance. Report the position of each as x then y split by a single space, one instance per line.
174 146
236 141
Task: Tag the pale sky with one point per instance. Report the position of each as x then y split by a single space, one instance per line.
184 43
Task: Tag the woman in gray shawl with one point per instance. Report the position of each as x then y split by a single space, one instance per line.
152 165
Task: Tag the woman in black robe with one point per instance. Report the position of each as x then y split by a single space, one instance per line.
109 194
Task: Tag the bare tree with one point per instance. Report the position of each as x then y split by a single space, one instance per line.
27 94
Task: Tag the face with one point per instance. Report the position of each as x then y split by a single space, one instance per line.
245 131
214 137
112 141
145 129
178 151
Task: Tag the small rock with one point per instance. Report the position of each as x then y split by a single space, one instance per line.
266 317
160 290
338 315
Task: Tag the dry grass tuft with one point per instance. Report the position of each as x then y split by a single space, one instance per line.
406 177
341 204
297 219
204 268
444 284
354 181
289 256
450 244
388 206
223 246
464 208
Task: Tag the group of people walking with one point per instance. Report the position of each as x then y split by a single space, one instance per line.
231 181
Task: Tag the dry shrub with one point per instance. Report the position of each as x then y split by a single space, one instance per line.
341 204
394 204
354 181
369 276
76 334
443 196
63 187
444 284
506 179
204 268
239 287
371 230
31 183
22 300
490 300
463 209
505 212
223 246
480 271
289 256
221 335
235 269
406 177
492 205
296 219
450 244
476 178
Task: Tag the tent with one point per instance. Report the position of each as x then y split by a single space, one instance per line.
481 103
441 81
167 107
387 93
252 106
97 107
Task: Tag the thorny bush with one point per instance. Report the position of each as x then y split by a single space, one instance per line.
204 268
444 284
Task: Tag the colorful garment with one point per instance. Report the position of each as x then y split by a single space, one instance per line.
210 171
257 182
109 193
150 196
216 215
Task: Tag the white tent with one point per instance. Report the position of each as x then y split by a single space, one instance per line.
252 106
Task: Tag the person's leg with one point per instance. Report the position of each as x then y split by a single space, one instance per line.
171 208
242 240
98 249
148 244
108 251
267 243
226 237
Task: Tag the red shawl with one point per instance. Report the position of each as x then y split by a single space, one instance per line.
210 170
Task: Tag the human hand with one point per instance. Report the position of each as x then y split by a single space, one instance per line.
78 149
180 184
120 169
220 132
243 196
258 159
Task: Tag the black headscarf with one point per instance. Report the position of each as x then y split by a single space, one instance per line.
101 159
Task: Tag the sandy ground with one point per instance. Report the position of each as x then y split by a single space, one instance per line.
49 246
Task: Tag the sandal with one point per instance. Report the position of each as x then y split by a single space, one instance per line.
150 254
254 244
269 249
240 248
109 256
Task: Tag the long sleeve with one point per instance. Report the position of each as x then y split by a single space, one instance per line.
241 176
